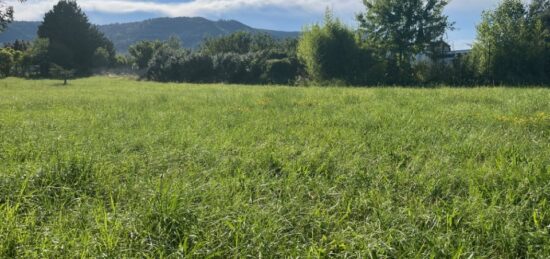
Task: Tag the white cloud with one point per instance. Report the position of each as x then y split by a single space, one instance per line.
458 9
35 9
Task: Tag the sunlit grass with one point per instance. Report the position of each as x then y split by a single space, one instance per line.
110 167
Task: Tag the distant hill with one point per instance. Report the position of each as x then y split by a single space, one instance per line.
19 31
191 30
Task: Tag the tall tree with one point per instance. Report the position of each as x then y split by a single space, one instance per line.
402 29
540 11
6 15
330 51
511 45
73 40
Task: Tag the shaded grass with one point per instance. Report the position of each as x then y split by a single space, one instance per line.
109 167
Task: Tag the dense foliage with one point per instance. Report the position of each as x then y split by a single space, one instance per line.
67 42
143 51
237 58
512 45
24 58
329 51
399 42
400 30
74 42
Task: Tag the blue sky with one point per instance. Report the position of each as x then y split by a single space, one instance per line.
268 14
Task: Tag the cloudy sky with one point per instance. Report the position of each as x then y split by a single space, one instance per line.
269 14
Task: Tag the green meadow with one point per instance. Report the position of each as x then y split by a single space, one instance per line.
116 168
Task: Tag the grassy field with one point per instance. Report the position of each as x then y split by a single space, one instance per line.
110 167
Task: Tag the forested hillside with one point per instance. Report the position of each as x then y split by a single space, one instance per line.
191 30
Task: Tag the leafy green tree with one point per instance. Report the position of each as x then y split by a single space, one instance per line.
11 62
231 67
36 61
6 62
511 45
329 51
173 42
122 61
180 65
237 58
196 68
540 10
143 51
6 15
19 45
239 42
402 29
73 40
163 64
101 58
280 71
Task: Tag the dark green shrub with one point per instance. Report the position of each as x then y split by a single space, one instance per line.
280 71
180 66
230 67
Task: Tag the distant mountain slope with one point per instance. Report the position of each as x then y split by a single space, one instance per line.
19 31
191 30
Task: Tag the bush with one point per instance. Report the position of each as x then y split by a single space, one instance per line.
239 42
161 68
142 52
511 46
280 71
180 66
101 58
122 61
332 52
230 67
250 68
6 62
196 67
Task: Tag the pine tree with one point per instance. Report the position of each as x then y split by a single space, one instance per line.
73 40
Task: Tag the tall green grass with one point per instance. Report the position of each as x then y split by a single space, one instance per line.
110 167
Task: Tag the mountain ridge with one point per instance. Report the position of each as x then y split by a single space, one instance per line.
191 30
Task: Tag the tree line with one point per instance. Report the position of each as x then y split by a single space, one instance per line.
397 42
67 44
237 58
